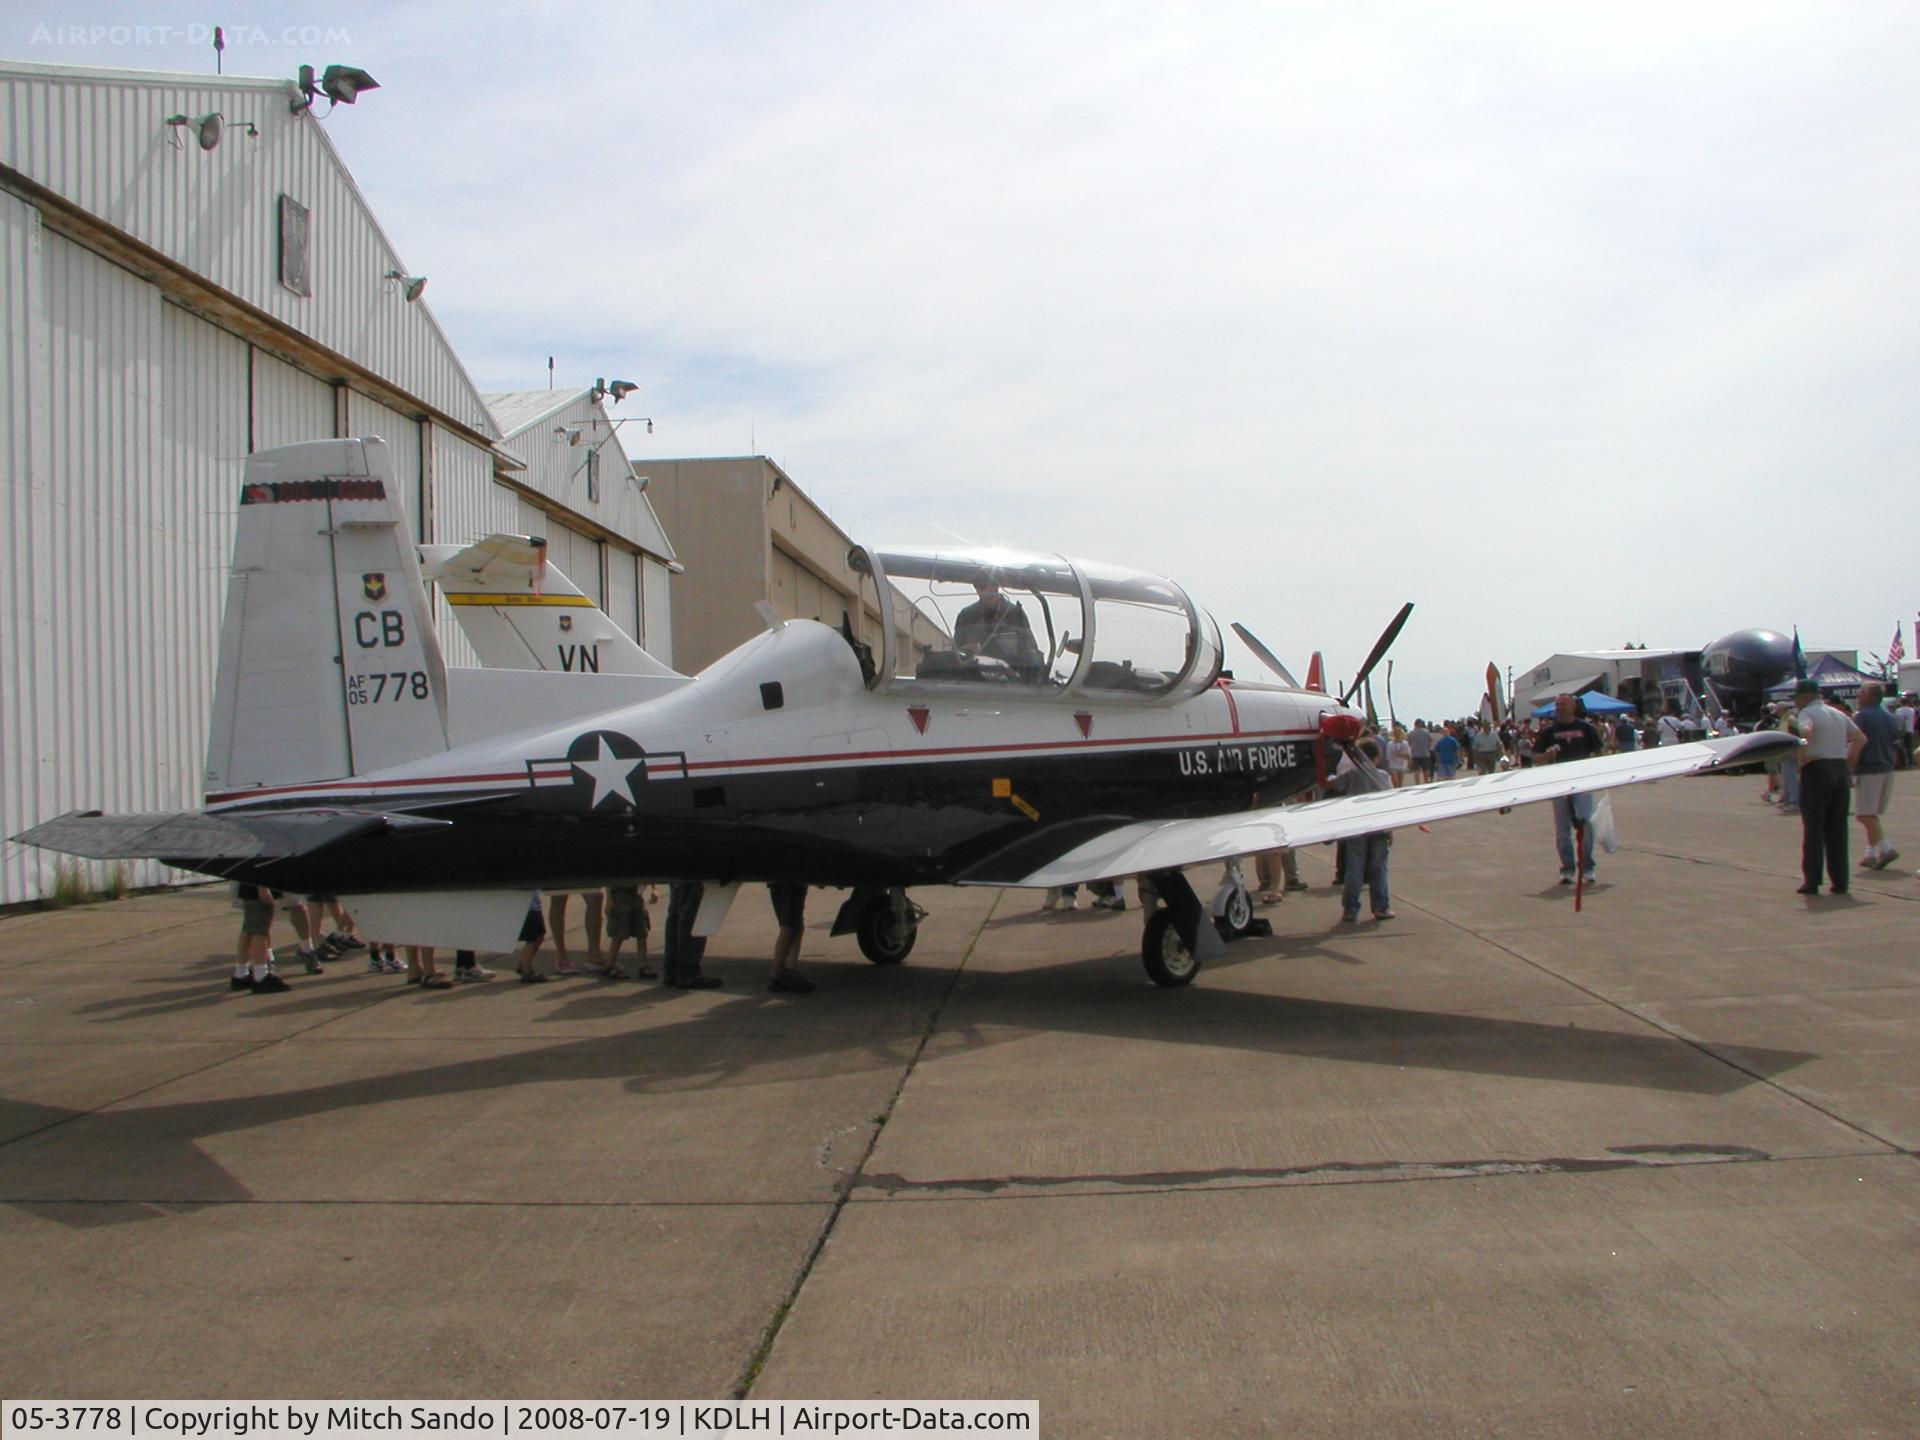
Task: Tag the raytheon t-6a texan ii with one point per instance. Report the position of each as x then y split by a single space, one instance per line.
989 718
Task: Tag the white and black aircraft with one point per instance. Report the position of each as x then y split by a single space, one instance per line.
1079 728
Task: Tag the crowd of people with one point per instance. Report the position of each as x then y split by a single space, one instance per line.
1845 771
612 917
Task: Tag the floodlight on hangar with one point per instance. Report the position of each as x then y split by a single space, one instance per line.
411 286
341 84
208 129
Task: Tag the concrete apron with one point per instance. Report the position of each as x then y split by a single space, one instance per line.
1487 1168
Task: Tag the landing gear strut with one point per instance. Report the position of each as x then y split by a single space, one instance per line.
1232 905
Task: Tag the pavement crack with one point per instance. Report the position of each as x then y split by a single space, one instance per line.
1333 1172
1718 1054
851 1180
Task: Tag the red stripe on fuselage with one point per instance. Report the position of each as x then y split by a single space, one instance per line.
1233 707
519 779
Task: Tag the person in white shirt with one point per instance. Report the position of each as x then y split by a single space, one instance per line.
1905 715
1832 743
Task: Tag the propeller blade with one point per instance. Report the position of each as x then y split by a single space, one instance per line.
1493 691
1266 656
1387 637
1316 674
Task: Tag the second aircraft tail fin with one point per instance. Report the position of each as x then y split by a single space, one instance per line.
521 613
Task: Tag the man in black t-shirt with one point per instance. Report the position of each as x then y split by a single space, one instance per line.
1569 735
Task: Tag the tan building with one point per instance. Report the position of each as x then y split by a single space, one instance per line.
746 534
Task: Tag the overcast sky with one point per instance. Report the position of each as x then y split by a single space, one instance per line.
1573 324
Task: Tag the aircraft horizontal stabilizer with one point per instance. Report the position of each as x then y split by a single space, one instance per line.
189 835
1151 845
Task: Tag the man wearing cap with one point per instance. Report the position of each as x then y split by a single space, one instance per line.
1832 743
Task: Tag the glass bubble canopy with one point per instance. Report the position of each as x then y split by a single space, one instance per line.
1026 624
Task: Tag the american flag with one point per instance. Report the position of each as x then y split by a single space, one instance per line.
1897 652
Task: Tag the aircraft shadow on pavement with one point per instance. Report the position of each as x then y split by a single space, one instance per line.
728 1044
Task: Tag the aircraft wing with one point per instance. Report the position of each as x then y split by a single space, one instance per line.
190 835
1168 844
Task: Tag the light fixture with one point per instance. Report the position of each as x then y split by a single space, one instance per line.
572 433
208 129
411 286
640 482
620 389
341 84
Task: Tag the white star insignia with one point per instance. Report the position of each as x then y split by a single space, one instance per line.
609 774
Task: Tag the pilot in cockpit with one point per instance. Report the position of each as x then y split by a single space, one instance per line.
997 627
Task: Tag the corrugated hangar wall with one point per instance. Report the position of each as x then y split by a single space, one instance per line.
127 420
166 310
115 583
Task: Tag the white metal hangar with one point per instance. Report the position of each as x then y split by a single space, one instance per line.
189 274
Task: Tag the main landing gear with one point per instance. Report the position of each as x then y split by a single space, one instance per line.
885 922
1168 958
1181 933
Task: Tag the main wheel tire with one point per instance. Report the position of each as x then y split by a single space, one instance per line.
1165 954
884 938
1237 919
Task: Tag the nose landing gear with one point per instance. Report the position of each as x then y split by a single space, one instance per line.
885 922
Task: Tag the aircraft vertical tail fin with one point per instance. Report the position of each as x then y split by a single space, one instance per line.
329 666
521 613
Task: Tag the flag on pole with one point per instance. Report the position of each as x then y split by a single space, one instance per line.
1896 652
1799 656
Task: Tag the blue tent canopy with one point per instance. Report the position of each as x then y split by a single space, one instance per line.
1596 703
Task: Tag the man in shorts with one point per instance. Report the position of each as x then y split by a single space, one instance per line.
253 957
627 919
1873 775
1420 751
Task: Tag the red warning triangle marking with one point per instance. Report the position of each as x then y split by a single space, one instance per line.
1085 722
919 715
